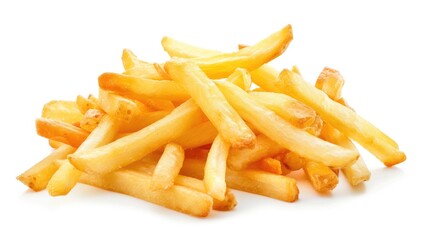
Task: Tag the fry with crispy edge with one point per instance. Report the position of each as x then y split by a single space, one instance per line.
211 101
293 161
37 177
66 177
137 184
268 164
321 177
136 145
135 67
330 82
84 104
168 167
60 131
176 48
342 118
215 169
91 119
283 132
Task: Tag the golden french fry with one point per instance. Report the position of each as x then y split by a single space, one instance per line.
284 133
135 67
141 88
168 167
37 177
264 147
65 111
322 178
176 48
241 78
268 164
200 135
215 169
91 119
84 104
133 147
55 144
211 101
293 161
66 177
137 184
60 131
119 107
331 82
342 118
141 121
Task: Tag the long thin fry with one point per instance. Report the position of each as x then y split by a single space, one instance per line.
168 167
211 101
133 147
60 131
200 135
176 48
341 117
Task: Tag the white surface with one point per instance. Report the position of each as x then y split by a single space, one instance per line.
53 50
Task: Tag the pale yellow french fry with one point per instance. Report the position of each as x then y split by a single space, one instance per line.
66 177
283 132
289 109
215 169
200 135
37 177
137 184
65 111
265 77
91 119
141 88
331 82
241 78
135 67
211 101
321 177
134 146
341 117
176 48
264 147
60 131
84 104
168 167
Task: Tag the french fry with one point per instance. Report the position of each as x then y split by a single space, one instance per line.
331 82
137 184
284 133
264 147
168 167
84 104
241 78
119 107
253 181
293 161
37 177
322 178
268 164
112 156
91 119
200 135
60 131
341 117
55 144
176 48
211 101
137 68
65 111
141 121
215 169
289 109
142 89
66 177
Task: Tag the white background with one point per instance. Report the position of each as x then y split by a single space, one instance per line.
56 50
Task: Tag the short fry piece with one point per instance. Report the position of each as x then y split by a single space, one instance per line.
91 119
322 178
168 167
37 177
284 133
135 67
331 82
136 145
342 118
211 101
293 161
60 131
137 184
65 111
269 164
215 169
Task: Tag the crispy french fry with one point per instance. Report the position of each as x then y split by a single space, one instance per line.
293 161
66 177
60 131
211 101
141 121
84 104
168 167
176 48
119 107
113 156
91 119
342 118
215 169
322 178
200 135
37 177
135 67
141 88
241 78
331 82
289 109
65 111
268 164
137 184
284 133
264 147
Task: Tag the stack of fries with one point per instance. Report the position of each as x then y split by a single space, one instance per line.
182 133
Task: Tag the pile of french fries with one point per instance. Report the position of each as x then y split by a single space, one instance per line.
183 133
